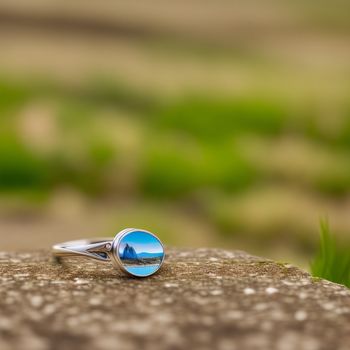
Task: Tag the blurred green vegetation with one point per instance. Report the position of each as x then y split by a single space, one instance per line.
186 145
332 260
19 167
217 120
209 151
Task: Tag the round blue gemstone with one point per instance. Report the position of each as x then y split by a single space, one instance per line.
141 253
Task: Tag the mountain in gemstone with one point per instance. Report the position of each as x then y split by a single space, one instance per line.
129 252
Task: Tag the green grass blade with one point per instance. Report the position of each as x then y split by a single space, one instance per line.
332 260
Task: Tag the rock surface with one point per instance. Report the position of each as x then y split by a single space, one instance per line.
201 299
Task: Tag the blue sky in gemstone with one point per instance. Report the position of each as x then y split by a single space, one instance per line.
142 242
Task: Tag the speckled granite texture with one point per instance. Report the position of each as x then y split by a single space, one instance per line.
201 299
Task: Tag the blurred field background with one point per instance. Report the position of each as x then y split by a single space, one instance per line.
211 123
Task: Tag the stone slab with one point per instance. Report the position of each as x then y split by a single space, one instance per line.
201 299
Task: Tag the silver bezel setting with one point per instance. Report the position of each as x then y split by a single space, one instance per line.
114 252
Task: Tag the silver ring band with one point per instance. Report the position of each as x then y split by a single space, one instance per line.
98 249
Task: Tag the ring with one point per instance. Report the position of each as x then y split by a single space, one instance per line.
137 252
